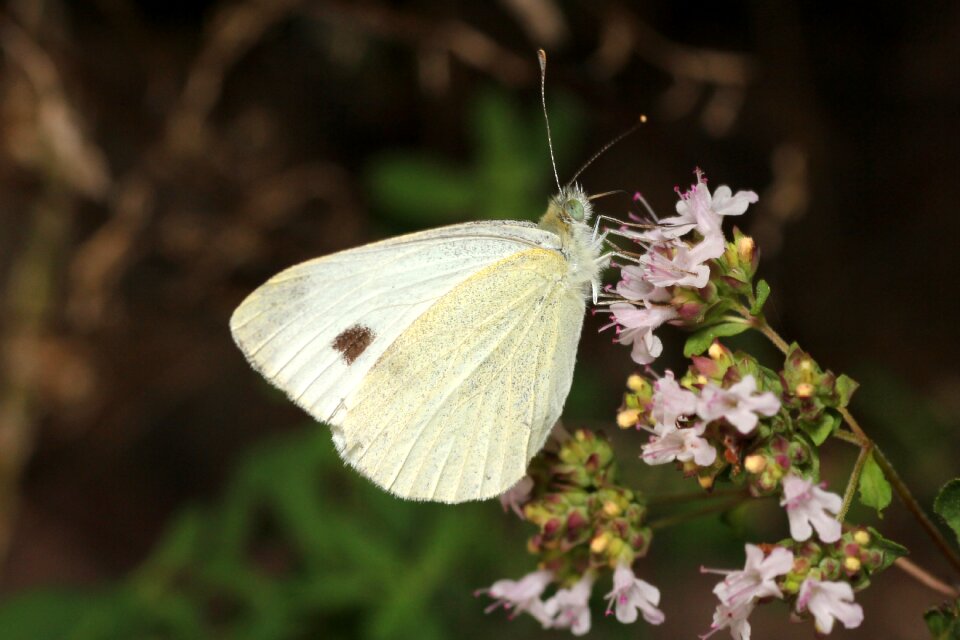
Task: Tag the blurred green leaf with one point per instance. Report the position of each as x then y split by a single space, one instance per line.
822 428
421 191
701 340
891 550
763 292
875 491
947 505
507 179
943 622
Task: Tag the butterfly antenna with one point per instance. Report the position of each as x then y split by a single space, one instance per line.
640 122
542 56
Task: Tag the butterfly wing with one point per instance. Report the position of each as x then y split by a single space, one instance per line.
455 408
329 330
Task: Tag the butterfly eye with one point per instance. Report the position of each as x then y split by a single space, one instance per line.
574 209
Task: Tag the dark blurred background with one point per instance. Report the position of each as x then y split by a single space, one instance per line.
159 160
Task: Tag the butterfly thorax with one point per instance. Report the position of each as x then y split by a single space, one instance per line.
568 215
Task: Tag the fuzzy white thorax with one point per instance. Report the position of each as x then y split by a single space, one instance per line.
568 215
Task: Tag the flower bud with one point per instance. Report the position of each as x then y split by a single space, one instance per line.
628 418
637 383
715 351
755 463
611 508
851 564
798 452
804 389
861 537
705 481
830 568
599 543
767 481
746 248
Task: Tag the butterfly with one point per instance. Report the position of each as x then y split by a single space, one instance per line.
442 359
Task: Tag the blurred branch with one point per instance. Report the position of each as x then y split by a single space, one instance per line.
541 19
52 143
452 37
26 306
693 69
232 32
100 262
55 141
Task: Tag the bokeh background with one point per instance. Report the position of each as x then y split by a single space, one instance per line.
159 160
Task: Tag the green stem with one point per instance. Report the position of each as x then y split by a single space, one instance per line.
695 496
916 509
859 437
680 518
852 483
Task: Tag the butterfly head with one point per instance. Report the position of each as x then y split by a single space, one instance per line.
571 205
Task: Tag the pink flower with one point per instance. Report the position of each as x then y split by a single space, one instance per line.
517 496
521 595
632 286
757 580
829 601
678 264
637 326
670 402
570 608
734 618
739 404
680 444
697 209
808 504
630 594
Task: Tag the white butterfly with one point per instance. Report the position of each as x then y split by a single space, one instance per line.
441 359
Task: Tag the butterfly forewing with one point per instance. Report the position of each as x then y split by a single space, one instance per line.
411 318
457 406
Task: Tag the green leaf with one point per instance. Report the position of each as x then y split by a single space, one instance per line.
947 505
845 387
891 550
875 491
822 428
702 339
763 292
943 622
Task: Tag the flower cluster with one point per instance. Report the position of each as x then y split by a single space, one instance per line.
670 280
587 525
817 580
726 419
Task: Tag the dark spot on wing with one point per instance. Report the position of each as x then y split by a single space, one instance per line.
353 341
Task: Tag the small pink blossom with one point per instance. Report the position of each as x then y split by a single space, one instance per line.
829 601
670 402
678 264
807 504
757 579
733 618
739 404
633 287
637 326
518 495
698 209
521 595
630 594
570 608
680 444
